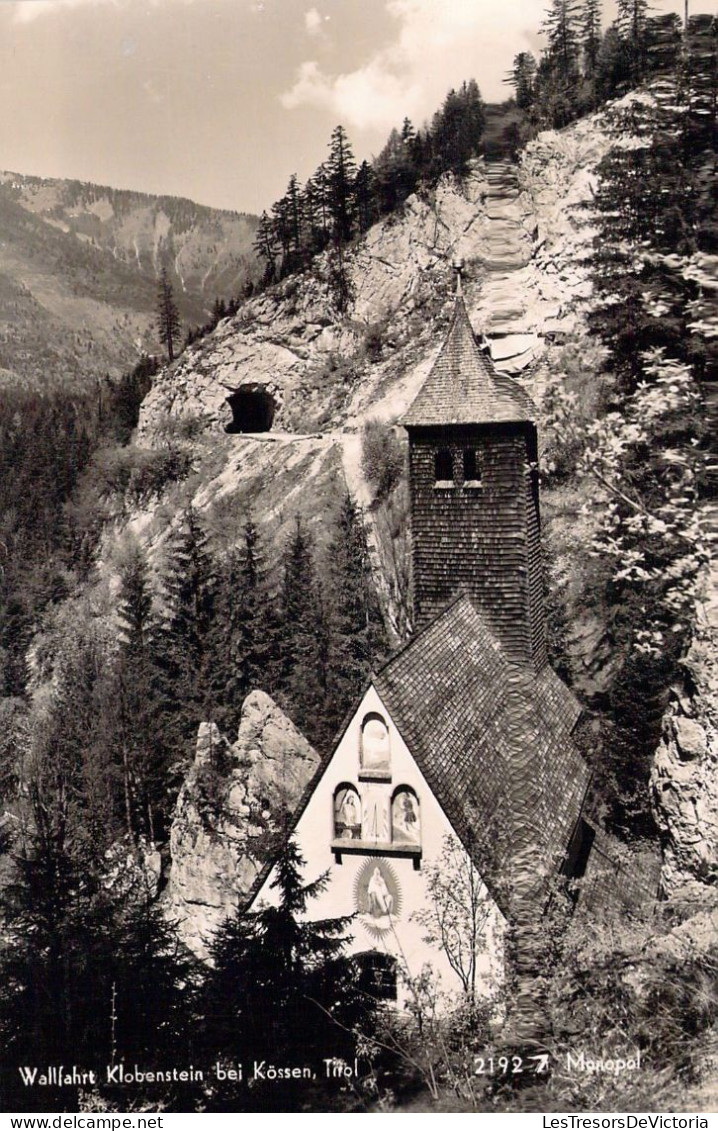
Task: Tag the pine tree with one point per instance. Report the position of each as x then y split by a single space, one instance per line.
45 441
701 66
149 978
189 583
245 642
140 703
364 191
645 200
558 77
219 311
395 170
341 205
613 71
522 78
341 175
631 19
278 981
560 26
88 976
317 188
127 396
294 221
303 636
281 231
357 635
266 247
248 657
590 33
168 317
73 782
457 129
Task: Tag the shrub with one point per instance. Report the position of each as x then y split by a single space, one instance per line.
383 459
139 474
373 343
186 426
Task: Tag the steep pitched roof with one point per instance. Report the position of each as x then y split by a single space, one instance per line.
493 740
464 387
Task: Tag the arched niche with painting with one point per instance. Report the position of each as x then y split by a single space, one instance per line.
347 812
405 817
374 748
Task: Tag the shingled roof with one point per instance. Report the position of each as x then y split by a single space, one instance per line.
464 386
493 740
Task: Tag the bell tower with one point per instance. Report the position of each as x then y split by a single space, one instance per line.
474 494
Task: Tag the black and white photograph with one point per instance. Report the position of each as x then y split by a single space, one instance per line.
358 614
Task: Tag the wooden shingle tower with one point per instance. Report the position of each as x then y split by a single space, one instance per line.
466 732
474 494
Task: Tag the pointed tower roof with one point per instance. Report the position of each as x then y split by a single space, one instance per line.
464 386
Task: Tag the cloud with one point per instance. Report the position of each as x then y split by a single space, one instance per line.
364 98
313 22
25 11
438 43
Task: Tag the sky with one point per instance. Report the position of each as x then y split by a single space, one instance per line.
222 100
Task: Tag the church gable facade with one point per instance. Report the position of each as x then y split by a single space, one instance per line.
466 733
374 824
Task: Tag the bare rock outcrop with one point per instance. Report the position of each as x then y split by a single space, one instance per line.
228 814
685 768
133 871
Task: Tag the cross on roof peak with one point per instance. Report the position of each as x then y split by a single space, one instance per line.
458 267
463 385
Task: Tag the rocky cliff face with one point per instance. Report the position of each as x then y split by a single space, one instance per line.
523 235
522 238
685 769
228 814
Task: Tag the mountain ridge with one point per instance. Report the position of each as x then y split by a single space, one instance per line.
79 264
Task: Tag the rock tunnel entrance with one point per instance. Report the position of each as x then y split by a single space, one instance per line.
252 410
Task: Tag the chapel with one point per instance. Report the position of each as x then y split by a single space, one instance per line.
466 737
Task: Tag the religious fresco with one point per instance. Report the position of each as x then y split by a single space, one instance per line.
375 754
377 896
405 823
375 814
347 813
372 815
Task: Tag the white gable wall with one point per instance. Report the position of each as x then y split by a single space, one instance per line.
384 907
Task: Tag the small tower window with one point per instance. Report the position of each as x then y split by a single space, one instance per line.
472 468
444 468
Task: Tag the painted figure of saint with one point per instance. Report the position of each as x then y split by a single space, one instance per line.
377 896
347 815
405 818
380 899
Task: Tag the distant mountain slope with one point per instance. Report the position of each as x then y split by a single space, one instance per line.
79 266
